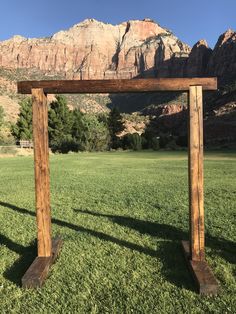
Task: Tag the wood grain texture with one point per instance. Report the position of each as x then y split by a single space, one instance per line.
56 247
116 86
41 162
37 273
196 206
202 274
39 269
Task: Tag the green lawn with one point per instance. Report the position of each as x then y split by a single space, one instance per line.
121 216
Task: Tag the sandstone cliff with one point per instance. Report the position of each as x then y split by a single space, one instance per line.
223 59
94 50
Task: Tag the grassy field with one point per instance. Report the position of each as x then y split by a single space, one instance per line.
121 216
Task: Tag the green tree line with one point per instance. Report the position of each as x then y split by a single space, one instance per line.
72 130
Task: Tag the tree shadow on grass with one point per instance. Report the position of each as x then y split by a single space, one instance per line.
174 267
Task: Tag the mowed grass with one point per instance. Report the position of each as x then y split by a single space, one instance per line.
121 216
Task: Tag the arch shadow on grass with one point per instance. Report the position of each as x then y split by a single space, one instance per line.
169 252
224 248
27 256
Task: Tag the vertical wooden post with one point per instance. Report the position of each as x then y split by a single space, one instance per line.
41 161
196 207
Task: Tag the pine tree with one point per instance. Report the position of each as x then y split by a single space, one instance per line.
60 121
94 135
77 125
22 130
115 126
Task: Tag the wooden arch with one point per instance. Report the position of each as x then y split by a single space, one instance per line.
47 248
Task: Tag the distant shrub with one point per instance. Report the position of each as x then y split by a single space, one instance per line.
172 145
168 141
145 144
182 140
164 140
2 116
150 141
8 150
6 138
115 126
64 145
132 141
155 143
94 135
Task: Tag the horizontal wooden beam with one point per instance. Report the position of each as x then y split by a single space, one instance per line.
116 86
39 269
202 274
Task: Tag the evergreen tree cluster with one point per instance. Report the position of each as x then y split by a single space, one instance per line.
22 130
115 126
74 131
71 130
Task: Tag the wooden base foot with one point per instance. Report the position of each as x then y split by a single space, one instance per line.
202 274
39 269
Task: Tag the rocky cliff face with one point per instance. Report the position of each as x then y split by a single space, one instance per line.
94 50
223 59
198 59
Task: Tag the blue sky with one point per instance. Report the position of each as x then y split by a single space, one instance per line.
190 20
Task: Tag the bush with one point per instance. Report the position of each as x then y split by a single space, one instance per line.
94 135
115 125
155 143
6 138
64 145
132 141
8 150
164 140
2 116
182 140
150 141
168 141
145 143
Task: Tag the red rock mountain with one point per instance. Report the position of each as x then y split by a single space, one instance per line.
92 50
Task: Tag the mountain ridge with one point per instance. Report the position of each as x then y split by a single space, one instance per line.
92 49
137 48
95 50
